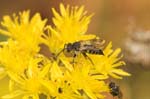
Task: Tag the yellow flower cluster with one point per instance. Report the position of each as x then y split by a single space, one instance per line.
35 75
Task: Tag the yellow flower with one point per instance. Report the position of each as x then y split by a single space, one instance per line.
13 57
71 23
70 26
24 30
60 89
29 84
70 84
82 80
108 63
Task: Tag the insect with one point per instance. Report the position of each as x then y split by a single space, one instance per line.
93 46
115 90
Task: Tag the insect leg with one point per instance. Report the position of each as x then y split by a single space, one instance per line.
73 61
86 56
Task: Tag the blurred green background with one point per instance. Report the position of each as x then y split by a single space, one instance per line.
113 21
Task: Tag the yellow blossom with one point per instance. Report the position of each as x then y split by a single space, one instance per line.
81 79
108 63
71 23
60 89
29 84
70 26
24 30
12 56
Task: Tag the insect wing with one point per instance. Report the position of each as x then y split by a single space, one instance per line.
98 43
91 44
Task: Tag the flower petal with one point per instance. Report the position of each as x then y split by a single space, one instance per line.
121 72
13 94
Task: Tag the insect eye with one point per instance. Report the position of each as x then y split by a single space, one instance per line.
112 84
69 47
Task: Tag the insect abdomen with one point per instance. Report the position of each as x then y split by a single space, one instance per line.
95 51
